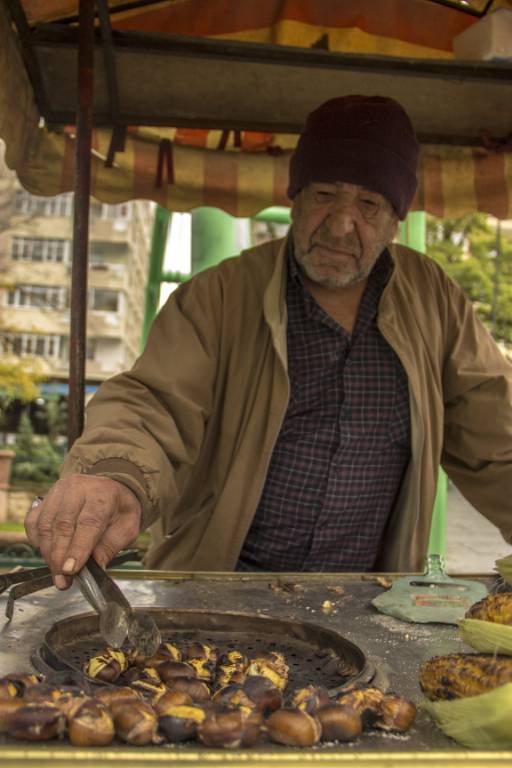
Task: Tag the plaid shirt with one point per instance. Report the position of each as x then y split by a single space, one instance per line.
344 444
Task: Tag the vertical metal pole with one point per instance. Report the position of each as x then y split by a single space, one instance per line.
77 337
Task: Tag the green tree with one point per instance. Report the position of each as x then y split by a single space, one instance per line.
475 254
19 379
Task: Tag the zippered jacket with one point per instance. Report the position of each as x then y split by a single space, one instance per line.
191 428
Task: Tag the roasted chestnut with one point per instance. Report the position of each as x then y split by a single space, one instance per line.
193 649
275 658
170 699
233 658
63 698
339 723
148 688
233 696
203 669
107 666
136 723
111 696
180 723
16 685
141 673
293 727
36 722
396 714
196 689
229 673
366 701
171 669
165 652
8 690
90 723
272 665
231 668
231 730
263 693
7 709
310 698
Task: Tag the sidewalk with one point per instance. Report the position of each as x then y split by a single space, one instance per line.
473 543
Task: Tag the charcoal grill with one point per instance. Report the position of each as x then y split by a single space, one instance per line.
314 653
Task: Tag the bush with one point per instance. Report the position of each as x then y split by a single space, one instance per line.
37 459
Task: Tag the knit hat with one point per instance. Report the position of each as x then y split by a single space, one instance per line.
365 140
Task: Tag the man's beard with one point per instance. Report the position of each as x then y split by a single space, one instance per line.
333 271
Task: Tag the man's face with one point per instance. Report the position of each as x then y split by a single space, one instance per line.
339 231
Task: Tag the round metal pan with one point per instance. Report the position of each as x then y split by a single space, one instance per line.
315 655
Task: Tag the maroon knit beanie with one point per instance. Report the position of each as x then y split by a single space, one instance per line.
365 140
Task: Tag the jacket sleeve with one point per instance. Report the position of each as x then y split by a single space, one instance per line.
477 385
145 427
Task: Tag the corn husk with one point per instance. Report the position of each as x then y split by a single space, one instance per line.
504 568
480 722
486 636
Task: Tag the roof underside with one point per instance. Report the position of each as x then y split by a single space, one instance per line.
185 72
190 82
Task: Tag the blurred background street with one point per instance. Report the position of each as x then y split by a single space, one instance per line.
473 543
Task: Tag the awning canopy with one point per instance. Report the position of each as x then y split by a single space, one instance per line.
206 98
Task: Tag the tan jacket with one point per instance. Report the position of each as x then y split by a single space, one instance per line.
192 426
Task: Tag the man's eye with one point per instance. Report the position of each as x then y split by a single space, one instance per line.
325 194
368 207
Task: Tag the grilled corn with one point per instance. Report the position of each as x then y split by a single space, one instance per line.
458 676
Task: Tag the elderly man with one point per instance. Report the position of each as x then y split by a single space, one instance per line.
292 405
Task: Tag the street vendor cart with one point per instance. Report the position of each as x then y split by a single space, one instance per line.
190 103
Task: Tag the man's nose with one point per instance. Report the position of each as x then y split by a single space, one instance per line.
342 217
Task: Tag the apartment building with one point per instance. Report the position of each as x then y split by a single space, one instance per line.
35 278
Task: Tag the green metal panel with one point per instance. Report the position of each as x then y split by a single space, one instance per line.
413 233
156 260
278 214
214 237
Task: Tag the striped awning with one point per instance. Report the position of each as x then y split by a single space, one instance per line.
243 171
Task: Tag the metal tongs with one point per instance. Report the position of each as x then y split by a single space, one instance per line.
118 620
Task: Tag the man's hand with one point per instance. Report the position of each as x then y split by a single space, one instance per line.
83 515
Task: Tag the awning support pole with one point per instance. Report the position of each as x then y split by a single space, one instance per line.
78 331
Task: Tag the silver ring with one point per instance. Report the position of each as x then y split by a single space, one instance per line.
36 501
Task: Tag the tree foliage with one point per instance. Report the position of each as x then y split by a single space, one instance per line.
19 378
477 254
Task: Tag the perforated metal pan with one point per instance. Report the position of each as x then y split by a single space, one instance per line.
315 655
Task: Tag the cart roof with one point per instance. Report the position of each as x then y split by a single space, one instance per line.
207 96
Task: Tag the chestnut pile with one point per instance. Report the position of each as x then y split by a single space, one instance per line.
187 691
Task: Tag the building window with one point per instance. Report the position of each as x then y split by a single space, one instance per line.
41 296
103 300
105 211
60 205
39 249
90 349
24 344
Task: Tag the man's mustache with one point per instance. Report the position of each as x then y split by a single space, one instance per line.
345 244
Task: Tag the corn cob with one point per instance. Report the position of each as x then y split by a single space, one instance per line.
496 608
460 675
